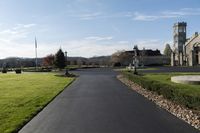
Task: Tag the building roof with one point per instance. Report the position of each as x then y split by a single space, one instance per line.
146 52
196 35
180 24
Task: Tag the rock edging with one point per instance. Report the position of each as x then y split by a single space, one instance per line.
188 115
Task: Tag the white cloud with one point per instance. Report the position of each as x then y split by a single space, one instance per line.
93 15
10 41
97 38
142 17
86 1
123 42
12 45
150 44
13 49
166 14
138 15
29 25
84 15
89 16
17 32
83 47
88 48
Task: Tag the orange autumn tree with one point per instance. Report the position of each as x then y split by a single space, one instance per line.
48 61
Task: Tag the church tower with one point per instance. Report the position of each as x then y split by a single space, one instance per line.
179 35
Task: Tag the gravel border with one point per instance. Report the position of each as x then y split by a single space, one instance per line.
190 116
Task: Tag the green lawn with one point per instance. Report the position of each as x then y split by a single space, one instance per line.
166 79
23 95
187 95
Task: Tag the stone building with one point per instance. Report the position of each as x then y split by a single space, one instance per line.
146 57
192 47
185 52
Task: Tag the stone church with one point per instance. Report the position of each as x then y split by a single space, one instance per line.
185 51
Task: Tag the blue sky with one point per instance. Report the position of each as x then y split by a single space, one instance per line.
91 27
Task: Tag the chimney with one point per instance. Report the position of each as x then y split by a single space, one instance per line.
196 33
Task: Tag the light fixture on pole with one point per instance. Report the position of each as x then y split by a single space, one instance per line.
66 58
135 60
66 70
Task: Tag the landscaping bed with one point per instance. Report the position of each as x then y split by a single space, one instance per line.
181 100
187 95
23 96
190 116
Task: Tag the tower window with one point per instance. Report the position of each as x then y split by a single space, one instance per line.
181 30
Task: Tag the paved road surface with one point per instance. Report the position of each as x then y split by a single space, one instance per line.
98 103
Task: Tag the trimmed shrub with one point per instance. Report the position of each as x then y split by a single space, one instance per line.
168 91
117 64
38 70
18 71
4 71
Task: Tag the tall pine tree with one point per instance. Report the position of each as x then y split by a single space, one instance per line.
60 59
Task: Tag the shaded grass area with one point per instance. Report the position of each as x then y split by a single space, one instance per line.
187 95
22 96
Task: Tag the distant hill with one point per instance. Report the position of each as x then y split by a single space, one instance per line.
97 60
12 62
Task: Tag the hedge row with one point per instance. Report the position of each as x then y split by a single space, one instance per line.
169 91
39 69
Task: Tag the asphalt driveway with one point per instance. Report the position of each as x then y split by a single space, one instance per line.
98 103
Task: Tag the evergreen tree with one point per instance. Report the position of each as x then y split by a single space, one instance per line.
167 50
135 47
59 59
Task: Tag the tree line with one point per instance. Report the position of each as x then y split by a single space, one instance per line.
58 60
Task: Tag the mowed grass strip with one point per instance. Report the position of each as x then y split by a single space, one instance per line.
23 95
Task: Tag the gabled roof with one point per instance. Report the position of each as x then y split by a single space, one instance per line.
196 35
